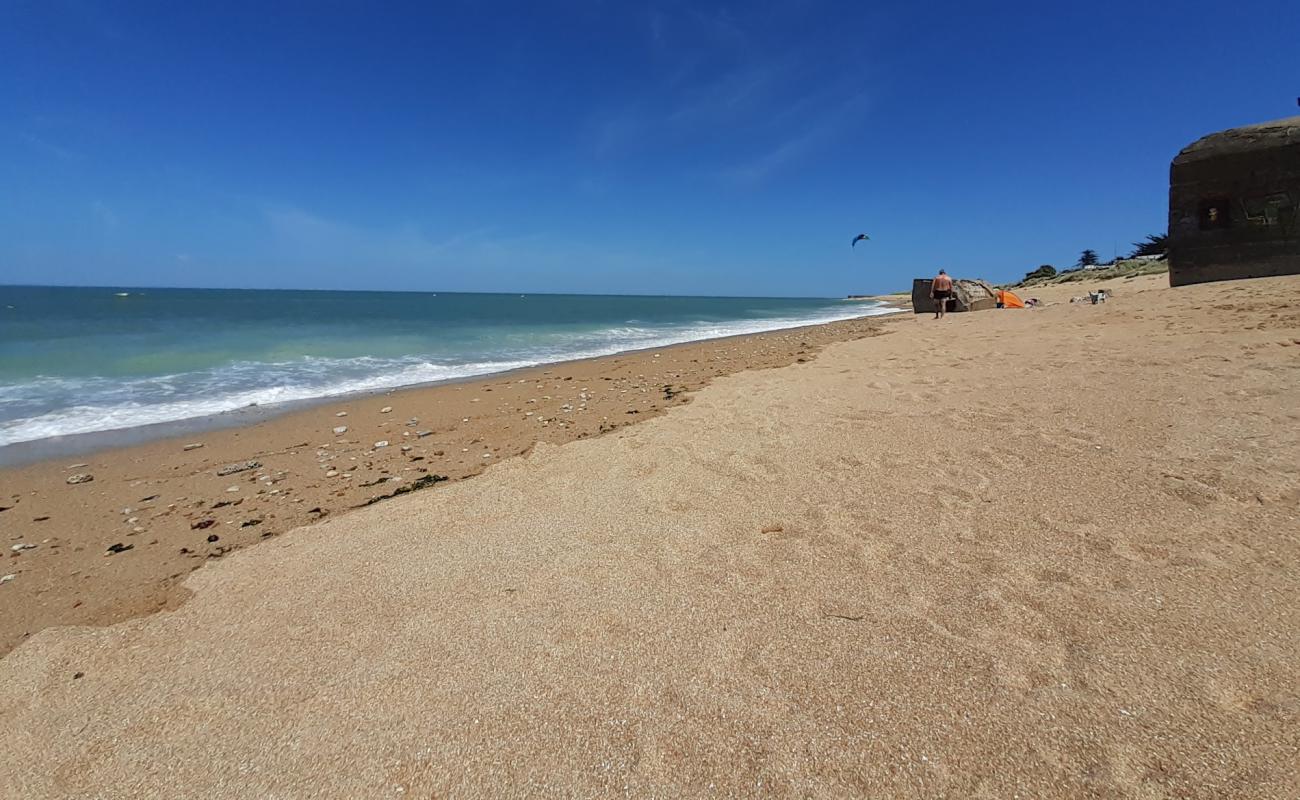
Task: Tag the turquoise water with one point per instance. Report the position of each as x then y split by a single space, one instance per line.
78 360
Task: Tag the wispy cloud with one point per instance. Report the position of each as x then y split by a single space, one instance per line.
104 216
720 88
301 234
825 126
317 249
50 148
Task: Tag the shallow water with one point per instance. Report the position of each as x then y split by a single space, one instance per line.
79 360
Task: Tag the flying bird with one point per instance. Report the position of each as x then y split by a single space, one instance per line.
861 237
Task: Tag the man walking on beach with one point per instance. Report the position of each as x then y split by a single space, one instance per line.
940 291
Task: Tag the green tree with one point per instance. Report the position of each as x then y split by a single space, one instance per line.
1088 258
1042 273
1156 244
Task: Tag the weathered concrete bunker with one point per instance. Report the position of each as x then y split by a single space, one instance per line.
1234 205
967 295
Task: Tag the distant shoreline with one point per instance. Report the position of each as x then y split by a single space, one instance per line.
71 445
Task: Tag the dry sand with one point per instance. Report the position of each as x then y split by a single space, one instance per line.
1046 553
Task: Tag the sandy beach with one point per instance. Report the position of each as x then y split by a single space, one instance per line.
166 501
1049 553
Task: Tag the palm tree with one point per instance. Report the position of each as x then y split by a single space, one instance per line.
1156 244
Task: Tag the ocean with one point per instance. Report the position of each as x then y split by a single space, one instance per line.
81 360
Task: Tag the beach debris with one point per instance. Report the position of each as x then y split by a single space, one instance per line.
238 466
203 523
422 434
849 617
7 578
332 473
78 675
381 443
21 546
119 548
385 409
772 529
192 446
341 414
81 477
340 430
250 523
406 448
212 537
41 518
76 466
232 488
422 482
149 499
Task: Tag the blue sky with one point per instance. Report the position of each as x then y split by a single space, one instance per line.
664 147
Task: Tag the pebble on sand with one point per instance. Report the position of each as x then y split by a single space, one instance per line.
7 578
381 443
238 466
192 446
81 477
342 429
385 409
341 414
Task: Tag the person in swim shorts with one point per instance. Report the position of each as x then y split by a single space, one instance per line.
940 292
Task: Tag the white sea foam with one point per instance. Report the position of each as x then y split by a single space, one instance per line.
89 405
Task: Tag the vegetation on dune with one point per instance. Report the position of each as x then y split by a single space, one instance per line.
1147 258
1042 273
1123 268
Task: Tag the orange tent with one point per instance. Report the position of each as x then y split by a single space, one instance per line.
1009 299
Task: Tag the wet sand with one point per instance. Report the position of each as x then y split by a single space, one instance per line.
1049 554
